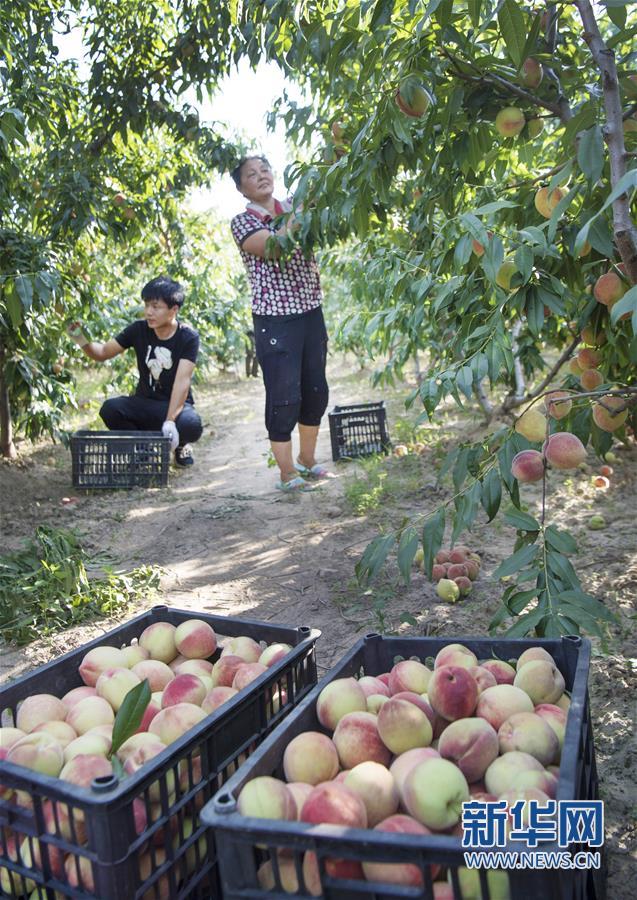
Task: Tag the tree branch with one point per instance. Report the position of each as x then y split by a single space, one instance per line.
624 229
483 400
513 402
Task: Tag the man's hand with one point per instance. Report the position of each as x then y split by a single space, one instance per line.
169 430
76 334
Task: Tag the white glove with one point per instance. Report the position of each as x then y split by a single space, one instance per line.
76 334
169 430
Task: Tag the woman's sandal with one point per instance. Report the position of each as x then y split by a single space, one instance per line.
316 471
296 485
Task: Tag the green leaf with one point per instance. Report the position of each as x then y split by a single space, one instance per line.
130 714
519 600
513 29
12 301
374 557
407 547
627 304
521 521
432 534
517 561
491 493
525 623
24 287
588 603
473 7
590 153
561 541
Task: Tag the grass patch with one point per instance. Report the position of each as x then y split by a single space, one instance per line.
54 582
379 478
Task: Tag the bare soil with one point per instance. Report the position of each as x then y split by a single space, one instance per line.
228 543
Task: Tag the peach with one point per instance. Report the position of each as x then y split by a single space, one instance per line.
588 358
528 466
403 726
287 879
82 769
61 731
79 872
514 795
357 740
504 771
543 781
409 675
114 684
412 99
12 883
341 696
531 73
76 694
159 640
501 671
541 680
133 654
398 873
243 646
459 554
174 721
484 678
609 288
39 752
465 585
195 639
533 653
555 717
375 701
52 854
453 692
310 757
469 879
10 736
610 413
334 868
104 730
98 659
216 697
157 673
442 556
421 701
433 793
335 804
134 743
39 708
266 798
595 338
498 703
139 758
531 734
300 791
438 571
472 744
546 202
591 379
510 121
225 669
564 450
87 744
183 689
473 569
405 762
177 661
376 787
448 590
90 712
563 702
273 654
64 821
246 673
372 685
455 655
558 404
197 667
444 891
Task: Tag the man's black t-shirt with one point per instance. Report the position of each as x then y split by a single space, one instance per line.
157 360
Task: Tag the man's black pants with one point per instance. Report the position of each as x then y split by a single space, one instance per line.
142 414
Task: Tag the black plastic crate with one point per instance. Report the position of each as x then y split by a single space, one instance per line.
358 430
118 856
243 844
119 459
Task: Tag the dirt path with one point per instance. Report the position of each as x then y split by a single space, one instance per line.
228 543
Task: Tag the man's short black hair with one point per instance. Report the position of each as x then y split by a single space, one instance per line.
164 288
236 172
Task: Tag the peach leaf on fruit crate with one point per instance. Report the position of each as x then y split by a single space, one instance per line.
130 715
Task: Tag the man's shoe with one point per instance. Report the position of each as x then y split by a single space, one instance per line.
184 457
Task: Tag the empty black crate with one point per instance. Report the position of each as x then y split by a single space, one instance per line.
243 844
358 430
120 459
141 837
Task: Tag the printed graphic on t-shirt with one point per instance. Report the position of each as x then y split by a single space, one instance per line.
162 359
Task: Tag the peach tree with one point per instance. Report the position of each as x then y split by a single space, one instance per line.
479 160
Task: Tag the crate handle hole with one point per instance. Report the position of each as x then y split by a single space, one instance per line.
104 783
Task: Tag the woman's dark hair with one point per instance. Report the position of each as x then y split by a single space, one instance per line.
164 288
235 174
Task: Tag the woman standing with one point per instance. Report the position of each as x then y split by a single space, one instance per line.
290 335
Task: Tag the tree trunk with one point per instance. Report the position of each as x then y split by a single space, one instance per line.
624 229
7 447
